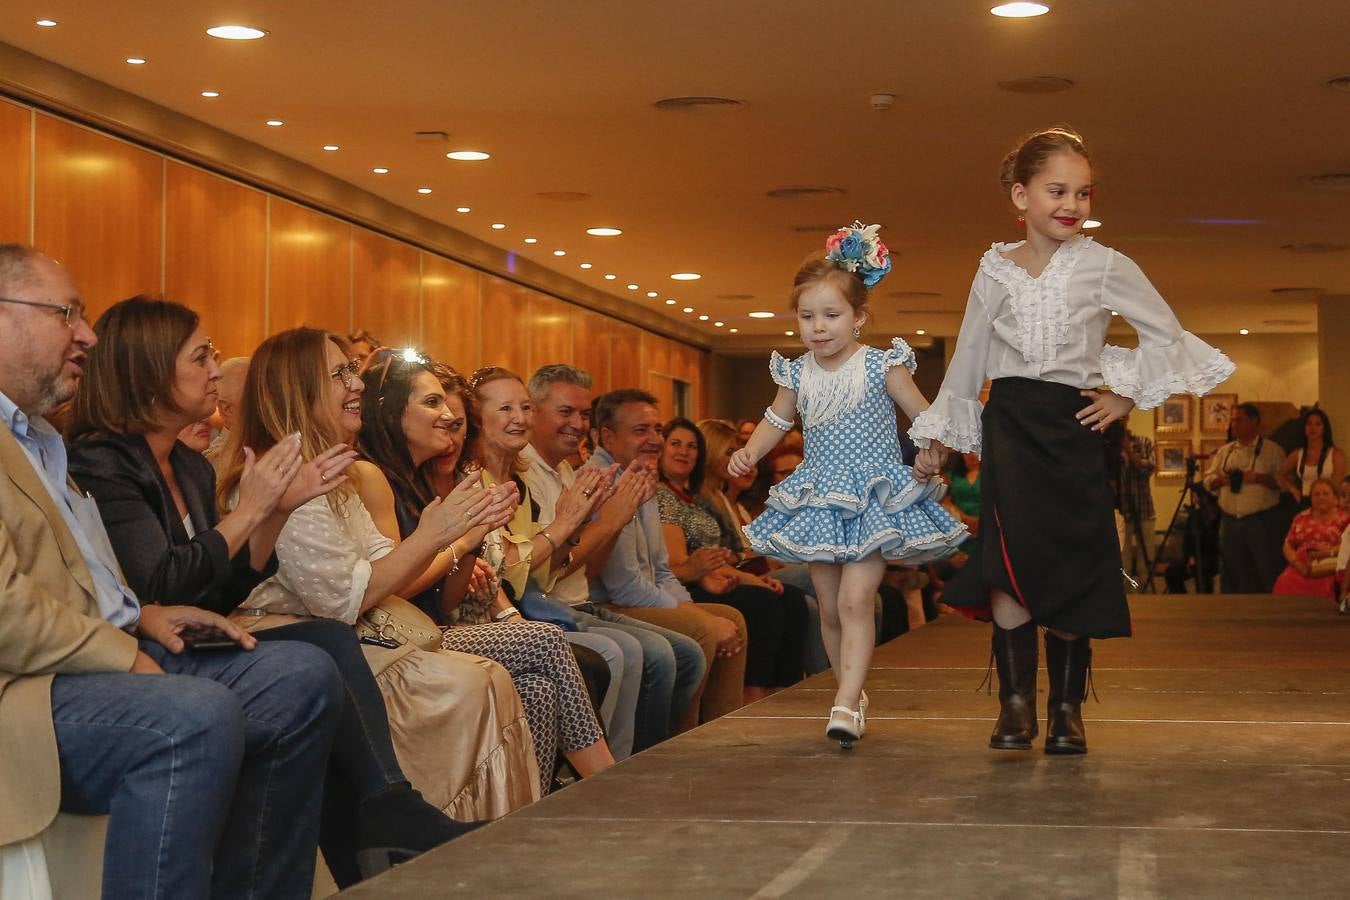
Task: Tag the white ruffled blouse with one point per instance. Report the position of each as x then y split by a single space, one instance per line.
1053 328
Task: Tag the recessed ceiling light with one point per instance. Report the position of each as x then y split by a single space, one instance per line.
604 232
686 276
632 287
532 240
136 60
380 170
585 265
1091 223
559 252
761 314
789 333
275 123
611 277
46 23
718 324
498 226
670 301
424 190
734 330
462 209
468 155
1243 331
920 332
331 148
703 318
210 93
236 32
653 294
688 309
1020 10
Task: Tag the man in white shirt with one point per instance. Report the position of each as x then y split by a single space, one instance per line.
1243 474
671 664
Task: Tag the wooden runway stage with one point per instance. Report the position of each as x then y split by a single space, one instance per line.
1219 767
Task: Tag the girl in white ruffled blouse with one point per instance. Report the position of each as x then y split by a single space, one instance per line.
1036 325
852 504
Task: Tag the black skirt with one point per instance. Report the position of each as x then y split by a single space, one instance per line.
1047 526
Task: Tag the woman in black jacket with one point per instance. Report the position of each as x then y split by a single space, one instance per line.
152 372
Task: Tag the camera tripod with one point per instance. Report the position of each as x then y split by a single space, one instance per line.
1193 524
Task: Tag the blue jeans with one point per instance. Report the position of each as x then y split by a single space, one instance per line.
672 671
212 774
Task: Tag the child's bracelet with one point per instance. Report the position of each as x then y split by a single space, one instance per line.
776 420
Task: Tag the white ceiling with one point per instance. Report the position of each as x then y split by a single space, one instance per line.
1194 111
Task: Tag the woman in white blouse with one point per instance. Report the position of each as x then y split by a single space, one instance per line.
1036 324
458 727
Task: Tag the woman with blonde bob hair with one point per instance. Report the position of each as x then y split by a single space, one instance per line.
457 723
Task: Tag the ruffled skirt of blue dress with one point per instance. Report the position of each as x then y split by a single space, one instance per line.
839 514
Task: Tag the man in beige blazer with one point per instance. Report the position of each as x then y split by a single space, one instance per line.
208 762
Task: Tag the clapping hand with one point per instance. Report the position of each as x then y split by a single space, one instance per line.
449 518
502 505
265 478
317 477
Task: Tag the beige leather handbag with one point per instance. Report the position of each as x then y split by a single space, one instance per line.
397 621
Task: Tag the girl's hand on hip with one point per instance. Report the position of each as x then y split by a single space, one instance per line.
1105 409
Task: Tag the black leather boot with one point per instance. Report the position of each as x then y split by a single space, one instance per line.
1016 659
397 824
1067 663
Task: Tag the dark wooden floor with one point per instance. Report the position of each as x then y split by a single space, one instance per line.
1219 767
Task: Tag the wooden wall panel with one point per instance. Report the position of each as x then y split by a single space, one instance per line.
655 356
309 278
591 337
16 173
505 325
451 317
550 331
385 298
99 211
625 356
215 255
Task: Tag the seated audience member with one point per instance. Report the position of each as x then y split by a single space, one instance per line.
719 495
157 499
1318 457
783 461
1343 560
636 577
775 614
407 423
671 664
1312 545
1243 473
196 436
229 391
363 345
745 428
184 763
457 724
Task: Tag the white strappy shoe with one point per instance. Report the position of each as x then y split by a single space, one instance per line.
846 726
862 710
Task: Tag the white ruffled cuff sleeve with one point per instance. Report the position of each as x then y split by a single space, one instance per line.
781 370
952 421
900 354
1149 375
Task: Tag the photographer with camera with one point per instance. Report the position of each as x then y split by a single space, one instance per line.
1243 474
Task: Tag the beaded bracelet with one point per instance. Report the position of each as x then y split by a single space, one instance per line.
776 420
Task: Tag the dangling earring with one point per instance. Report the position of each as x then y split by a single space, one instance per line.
1021 219
857 331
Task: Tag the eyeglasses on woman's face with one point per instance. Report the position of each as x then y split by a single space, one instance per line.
348 374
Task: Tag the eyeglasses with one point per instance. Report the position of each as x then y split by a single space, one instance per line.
347 374
71 312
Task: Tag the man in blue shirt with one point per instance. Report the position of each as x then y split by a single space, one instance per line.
637 579
208 762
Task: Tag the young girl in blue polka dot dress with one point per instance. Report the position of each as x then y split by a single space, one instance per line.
852 504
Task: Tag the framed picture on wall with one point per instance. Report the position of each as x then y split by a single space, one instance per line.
1173 416
1171 458
1216 411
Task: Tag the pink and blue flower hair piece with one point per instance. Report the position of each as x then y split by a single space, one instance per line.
856 248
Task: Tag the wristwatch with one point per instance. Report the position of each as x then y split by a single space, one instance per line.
506 614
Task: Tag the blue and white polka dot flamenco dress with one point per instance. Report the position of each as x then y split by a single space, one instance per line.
851 496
